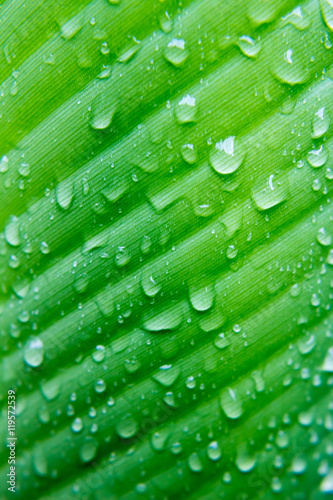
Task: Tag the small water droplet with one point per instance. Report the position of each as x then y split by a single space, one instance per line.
4 164
12 232
127 428
44 248
324 237
103 110
167 375
100 386
189 153
99 354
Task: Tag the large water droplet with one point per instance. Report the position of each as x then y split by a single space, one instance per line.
34 352
194 462
99 354
326 7
4 164
249 46
127 428
150 284
77 425
167 375
287 61
12 232
317 157
227 156
271 193
88 450
176 52
244 461
327 365
65 193
72 27
214 451
186 110
320 123
298 18
230 404
324 237
202 298
103 109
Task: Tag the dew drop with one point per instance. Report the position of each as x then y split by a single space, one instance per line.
249 46
100 386
202 299
189 153
270 194
65 194
102 112
230 404
34 352
167 375
4 164
194 462
227 156
326 7
127 428
320 123
317 157
176 52
88 450
77 425
323 237
99 354
12 232
214 451
186 110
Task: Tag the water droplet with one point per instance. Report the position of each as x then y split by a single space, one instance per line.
88 450
44 248
72 27
167 375
81 282
99 354
23 317
306 344
287 61
186 110
169 399
202 299
165 22
326 7
103 109
298 18
221 342
189 153
12 232
227 156
232 252
50 389
4 164
298 465
176 52
329 259
249 46
130 52
39 462
230 404
244 461
320 123
327 365
150 284
270 194
295 290
100 386
214 451
190 382
24 169
127 428
34 352
194 462
77 425
323 237
315 300
159 439
317 157
65 193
